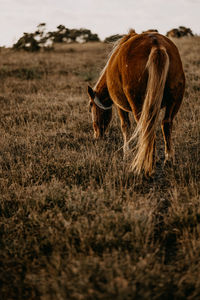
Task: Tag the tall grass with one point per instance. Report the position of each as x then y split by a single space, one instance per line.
74 222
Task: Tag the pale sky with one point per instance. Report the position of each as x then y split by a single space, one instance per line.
104 17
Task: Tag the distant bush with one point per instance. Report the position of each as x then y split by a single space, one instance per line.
27 42
34 41
41 39
180 32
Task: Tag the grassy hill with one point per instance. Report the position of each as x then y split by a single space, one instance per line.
74 222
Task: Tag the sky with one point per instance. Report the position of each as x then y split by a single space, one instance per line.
104 17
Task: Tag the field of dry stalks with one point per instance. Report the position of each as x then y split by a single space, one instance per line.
74 222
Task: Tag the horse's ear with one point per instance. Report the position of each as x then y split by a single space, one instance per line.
91 93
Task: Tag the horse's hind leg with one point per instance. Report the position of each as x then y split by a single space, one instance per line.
171 111
125 126
167 129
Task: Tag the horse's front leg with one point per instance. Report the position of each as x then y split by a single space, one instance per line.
125 126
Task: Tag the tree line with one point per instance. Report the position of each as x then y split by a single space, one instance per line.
41 39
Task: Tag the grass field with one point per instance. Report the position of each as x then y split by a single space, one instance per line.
74 222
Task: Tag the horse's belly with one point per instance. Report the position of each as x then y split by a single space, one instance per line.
120 100
117 94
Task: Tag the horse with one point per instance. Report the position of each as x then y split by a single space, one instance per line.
143 75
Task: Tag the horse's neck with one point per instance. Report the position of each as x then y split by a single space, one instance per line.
102 92
101 87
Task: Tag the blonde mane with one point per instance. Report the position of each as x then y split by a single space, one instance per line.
116 46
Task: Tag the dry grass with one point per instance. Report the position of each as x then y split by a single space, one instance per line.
74 224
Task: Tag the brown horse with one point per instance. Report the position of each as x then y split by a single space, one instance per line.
144 73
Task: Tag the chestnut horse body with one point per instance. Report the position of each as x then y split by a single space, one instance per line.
143 74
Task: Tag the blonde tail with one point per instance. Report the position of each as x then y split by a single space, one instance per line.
157 65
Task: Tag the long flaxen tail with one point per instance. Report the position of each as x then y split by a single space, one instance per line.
157 65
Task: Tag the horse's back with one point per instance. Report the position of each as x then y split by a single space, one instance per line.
132 55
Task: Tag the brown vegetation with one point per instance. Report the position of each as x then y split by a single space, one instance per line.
74 223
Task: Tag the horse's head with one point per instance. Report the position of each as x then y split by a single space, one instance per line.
101 115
